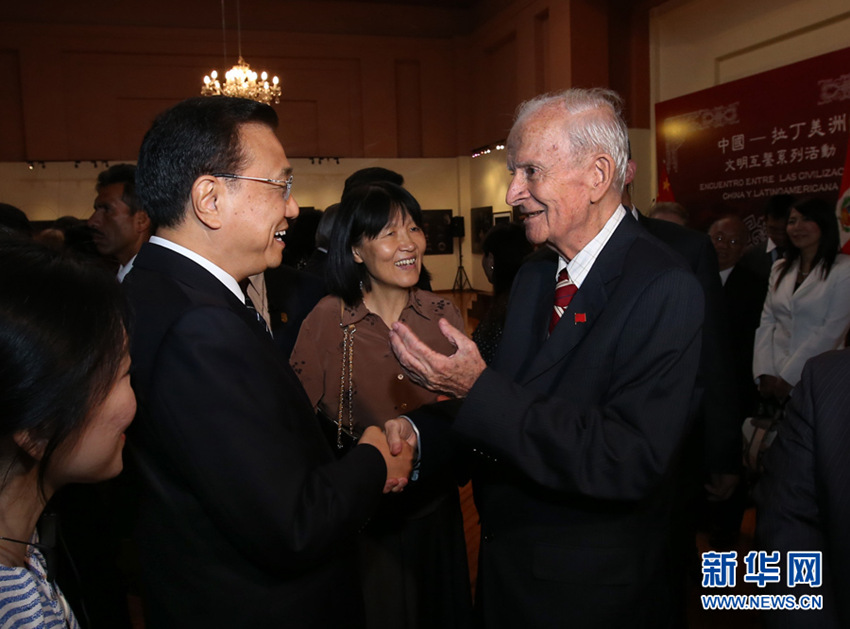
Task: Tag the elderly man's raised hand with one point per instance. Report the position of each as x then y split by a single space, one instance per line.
399 465
453 374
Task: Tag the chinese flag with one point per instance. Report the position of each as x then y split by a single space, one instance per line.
842 209
665 190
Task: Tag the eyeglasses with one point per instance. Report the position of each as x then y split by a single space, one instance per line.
280 183
721 237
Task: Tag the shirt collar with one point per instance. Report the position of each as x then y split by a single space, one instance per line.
358 312
221 275
582 262
770 245
125 268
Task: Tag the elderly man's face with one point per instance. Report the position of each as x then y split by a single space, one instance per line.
258 212
729 238
551 192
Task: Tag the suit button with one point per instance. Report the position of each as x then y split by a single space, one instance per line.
400 376
403 406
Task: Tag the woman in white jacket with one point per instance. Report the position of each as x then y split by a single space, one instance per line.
807 309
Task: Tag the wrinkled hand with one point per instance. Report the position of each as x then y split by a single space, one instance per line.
399 466
453 374
721 486
400 431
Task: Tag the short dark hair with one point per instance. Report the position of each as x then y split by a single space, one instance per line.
669 207
823 214
124 174
326 226
373 174
13 220
62 340
199 136
779 206
363 212
509 246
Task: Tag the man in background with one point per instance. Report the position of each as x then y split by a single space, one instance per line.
120 225
801 498
744 292
761 257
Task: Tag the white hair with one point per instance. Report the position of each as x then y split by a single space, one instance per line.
603 130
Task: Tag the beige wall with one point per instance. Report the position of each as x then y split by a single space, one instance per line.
696 44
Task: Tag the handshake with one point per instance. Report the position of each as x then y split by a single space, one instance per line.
453 375
397 444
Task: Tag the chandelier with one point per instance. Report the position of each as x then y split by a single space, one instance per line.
241 80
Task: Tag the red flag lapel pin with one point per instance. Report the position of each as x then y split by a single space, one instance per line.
580 317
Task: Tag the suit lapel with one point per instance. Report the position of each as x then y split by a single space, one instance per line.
203 284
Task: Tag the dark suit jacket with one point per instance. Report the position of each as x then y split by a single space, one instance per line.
291 295
316 265
802 498
717 436
759 261
244 517
581 432
745 292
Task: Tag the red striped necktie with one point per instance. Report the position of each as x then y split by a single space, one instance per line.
564 291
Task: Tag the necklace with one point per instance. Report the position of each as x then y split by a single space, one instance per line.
41 547
347 361
19 541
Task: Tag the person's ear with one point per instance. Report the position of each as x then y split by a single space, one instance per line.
33 446
631 170
208 195
141 221
602 175
357 257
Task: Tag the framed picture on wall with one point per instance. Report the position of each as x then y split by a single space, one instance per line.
502 217
437 225
482 221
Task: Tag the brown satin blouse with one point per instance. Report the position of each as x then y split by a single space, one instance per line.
381 389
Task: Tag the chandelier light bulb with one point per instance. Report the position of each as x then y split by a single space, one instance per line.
243 82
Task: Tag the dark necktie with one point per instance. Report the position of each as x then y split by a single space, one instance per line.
250 306
564 291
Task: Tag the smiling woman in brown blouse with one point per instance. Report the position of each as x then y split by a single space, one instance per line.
413 558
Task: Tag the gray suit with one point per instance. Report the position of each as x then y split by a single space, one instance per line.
802 497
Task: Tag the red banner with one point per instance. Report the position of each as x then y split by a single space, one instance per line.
728 148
